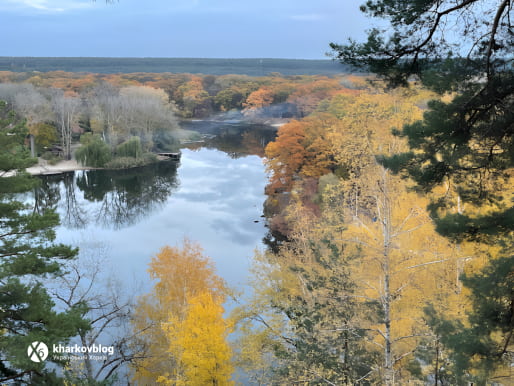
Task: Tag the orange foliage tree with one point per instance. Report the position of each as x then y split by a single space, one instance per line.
258 99
192 98
286 155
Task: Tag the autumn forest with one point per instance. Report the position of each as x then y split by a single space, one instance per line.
362 218
359 283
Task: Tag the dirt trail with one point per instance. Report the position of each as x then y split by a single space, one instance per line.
43 167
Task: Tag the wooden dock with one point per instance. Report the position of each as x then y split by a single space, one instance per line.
171 156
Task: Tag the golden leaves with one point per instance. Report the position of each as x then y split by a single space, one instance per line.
198 341
187 291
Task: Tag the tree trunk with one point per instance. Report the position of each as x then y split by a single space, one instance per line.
87 361
436 362
32 146
389 370
387 234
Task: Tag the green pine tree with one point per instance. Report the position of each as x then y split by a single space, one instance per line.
468 140
475 352
28 256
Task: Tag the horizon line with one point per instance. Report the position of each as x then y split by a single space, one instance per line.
161 57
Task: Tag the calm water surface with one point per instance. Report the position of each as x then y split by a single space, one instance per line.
209 197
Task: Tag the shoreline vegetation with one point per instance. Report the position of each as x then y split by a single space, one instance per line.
45 167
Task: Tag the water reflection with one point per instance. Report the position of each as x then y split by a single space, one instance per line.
46 194
114 199
108 198
235 139
213 197
237 143
217 203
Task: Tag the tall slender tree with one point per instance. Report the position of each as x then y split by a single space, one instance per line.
66 109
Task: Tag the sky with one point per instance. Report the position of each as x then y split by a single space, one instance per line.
296 29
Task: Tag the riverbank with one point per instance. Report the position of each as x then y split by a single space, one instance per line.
197 126
45 168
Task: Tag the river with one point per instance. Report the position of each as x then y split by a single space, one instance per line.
211 196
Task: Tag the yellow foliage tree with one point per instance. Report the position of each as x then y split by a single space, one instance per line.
198 341
45 135
302 325
182 273
402 266
399 263
403 263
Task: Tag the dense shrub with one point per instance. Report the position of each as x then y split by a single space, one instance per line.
165 140
130 148
50 157
131 162
94 151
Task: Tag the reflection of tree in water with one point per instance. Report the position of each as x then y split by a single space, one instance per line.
123 196
126 196
74 215
46 194
240 140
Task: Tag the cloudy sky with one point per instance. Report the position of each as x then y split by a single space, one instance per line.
300 29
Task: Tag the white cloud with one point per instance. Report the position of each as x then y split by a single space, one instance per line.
46 6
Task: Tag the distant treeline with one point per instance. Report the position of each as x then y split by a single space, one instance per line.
251 67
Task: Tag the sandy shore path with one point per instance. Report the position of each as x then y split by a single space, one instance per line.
43 167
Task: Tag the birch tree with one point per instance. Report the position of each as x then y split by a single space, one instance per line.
402 265
67 109
105 111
